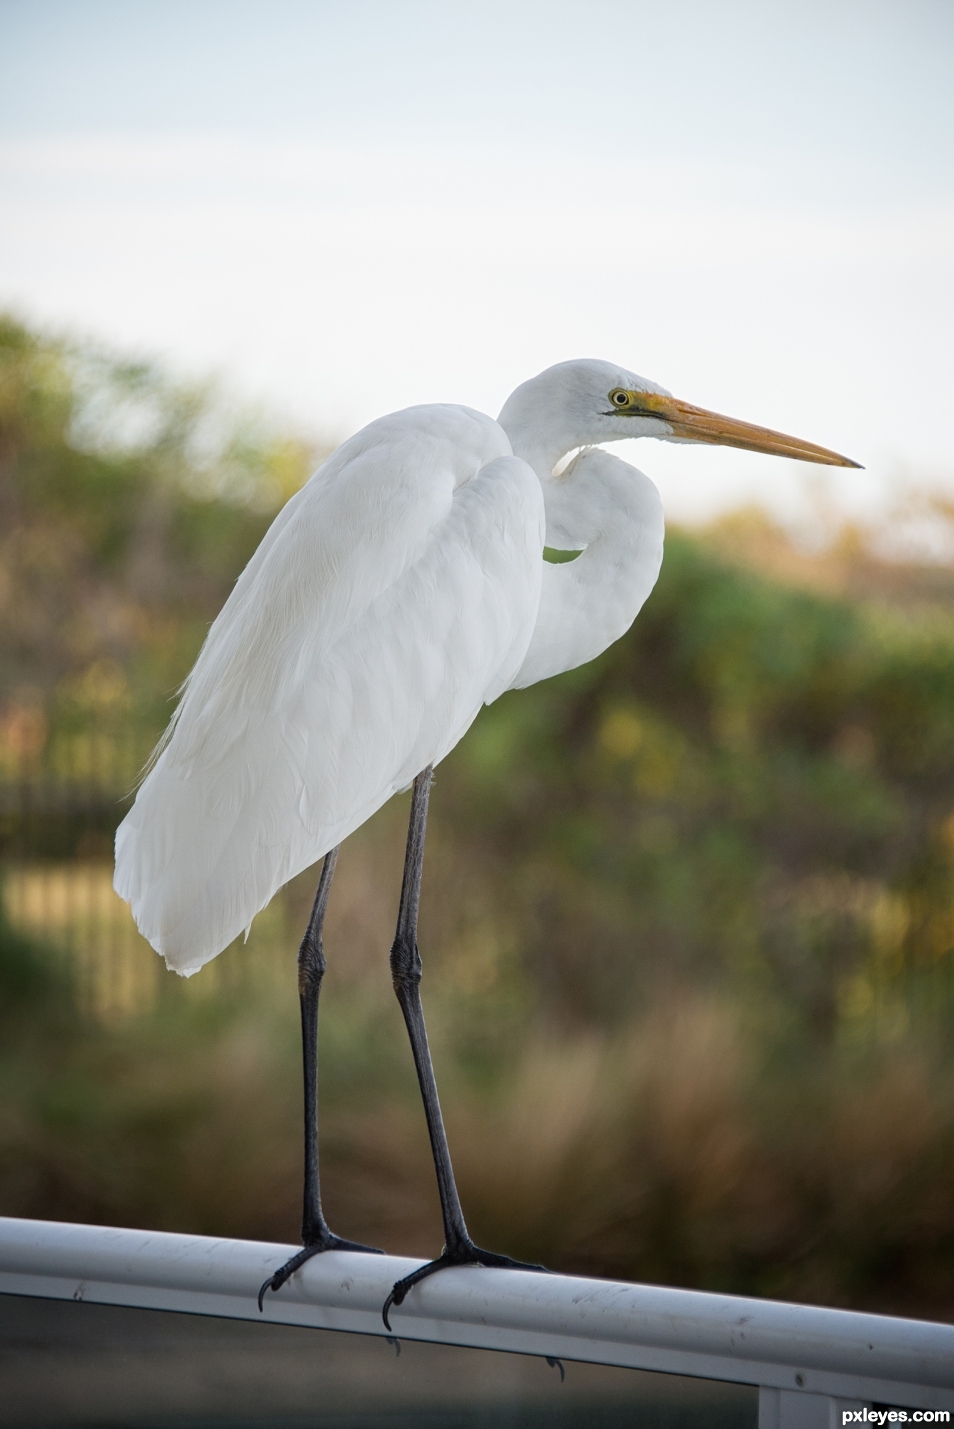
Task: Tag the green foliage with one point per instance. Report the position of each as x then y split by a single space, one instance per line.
128 505
688 918
31 982
755 784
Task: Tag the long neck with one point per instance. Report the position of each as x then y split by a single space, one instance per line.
613 515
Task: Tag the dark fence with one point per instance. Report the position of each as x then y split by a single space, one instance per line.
59 811
60 806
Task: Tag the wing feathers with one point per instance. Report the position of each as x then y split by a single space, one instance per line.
396 595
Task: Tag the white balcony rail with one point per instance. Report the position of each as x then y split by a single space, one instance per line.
810 1364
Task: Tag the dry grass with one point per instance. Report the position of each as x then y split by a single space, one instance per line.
667 1153
685 1147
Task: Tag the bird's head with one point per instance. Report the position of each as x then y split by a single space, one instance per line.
587 402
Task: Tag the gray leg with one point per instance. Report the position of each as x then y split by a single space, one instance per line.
315 1234
459 1249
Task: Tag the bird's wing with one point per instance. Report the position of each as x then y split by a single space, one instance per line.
391 597
611 513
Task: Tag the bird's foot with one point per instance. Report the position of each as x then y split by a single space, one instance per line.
466 1253
328 1241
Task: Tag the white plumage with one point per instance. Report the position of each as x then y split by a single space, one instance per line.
392 595
402 588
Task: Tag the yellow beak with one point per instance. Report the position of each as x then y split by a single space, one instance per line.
695 424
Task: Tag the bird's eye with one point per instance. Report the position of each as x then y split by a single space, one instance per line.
620 398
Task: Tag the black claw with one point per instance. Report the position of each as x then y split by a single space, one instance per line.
466 1255
286 1271
399 1291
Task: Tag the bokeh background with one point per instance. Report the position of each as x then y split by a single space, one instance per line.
688 918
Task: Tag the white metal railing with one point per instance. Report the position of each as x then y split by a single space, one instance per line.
809 1363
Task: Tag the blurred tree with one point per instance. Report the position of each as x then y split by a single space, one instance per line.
128 505
689 910
756 783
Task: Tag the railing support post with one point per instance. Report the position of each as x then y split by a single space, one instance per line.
797 1409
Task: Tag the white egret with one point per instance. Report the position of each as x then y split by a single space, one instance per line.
400 590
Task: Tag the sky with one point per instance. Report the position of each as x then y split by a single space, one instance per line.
339 209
